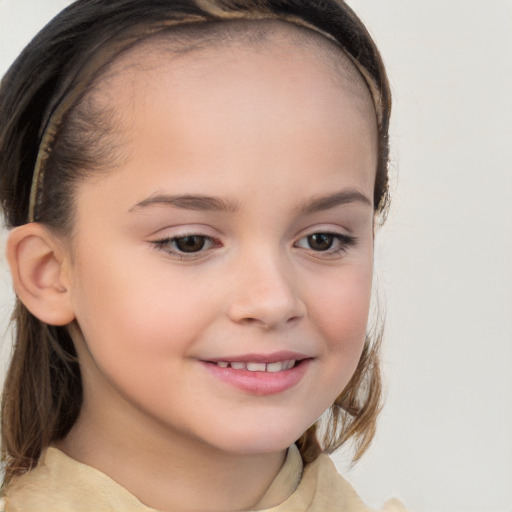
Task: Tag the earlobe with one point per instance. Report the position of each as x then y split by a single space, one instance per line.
38 266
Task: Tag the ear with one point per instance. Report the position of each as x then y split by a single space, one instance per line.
39 265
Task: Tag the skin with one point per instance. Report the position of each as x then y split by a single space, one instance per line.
267 132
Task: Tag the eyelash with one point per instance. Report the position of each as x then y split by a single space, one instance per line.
344 243
166 244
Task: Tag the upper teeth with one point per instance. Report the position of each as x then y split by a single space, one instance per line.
259 367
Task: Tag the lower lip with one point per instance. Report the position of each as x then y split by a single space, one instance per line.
260 383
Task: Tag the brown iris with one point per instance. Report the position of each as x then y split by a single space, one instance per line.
320 241
193 243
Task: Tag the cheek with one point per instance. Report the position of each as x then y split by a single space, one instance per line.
341 314
136 311
346 310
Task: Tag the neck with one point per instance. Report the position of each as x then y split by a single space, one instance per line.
167 470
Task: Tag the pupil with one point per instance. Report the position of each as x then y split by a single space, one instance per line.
190 243
320 241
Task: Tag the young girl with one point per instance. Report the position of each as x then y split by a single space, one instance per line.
192 189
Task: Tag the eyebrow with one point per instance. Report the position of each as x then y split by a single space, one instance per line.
318 204
189 202
209 203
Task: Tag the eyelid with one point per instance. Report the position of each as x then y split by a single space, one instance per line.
165 244
180 230
345 241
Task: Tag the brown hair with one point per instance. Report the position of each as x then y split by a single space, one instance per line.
48 123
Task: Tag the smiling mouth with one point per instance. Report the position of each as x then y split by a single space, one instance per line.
278 366
261 375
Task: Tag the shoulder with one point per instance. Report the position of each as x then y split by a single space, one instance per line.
335 487
61 483
323 489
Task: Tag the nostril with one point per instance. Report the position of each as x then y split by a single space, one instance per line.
269 301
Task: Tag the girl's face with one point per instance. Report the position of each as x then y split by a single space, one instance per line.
235 241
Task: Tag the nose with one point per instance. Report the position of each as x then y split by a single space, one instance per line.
265 293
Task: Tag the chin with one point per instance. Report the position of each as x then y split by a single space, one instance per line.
268 439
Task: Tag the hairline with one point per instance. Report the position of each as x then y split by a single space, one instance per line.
202 37
195 40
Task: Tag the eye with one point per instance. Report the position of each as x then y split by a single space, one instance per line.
192 243
320 241
326 242
185 245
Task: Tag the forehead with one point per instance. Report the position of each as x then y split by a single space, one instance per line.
232 42
273 101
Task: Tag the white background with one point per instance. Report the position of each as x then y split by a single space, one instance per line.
444 259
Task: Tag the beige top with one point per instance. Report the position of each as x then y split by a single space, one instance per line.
61 484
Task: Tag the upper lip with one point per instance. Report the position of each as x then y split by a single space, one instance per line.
274 357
